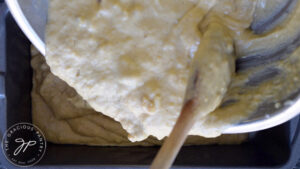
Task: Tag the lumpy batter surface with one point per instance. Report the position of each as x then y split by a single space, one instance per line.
130 60
65 118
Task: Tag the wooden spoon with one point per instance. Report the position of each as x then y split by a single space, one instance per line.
213 66
172 145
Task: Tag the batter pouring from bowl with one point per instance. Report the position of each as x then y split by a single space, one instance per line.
131 59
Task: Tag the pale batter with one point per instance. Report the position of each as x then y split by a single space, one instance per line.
130 60
65 118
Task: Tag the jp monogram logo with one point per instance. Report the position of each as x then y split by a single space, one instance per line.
24 144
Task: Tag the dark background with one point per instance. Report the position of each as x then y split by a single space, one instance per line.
266 149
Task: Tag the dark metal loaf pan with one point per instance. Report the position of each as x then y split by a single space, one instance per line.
278 147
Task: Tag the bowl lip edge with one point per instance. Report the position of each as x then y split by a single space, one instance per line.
277 118
23 23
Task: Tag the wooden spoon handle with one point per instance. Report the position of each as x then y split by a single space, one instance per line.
210 75
173 143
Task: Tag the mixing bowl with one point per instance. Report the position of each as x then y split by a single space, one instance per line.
31 16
